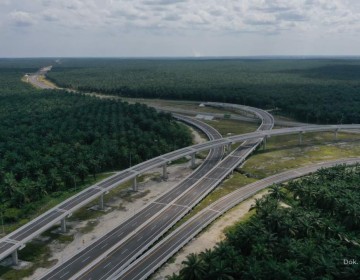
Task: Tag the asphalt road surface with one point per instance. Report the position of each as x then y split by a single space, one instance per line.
178 206
30 230
161 205
146 264
119 247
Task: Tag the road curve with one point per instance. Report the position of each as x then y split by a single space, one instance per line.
162 204
123 255
161 252
27 232
34 79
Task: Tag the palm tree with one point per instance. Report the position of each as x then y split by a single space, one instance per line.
173 277
194 268
275 192
207 257
220 271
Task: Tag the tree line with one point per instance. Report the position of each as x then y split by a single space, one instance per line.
308 229
316 91
50 142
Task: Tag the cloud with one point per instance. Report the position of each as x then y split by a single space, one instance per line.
292 16
187 19
21 19
163 2
207 15
50 17
173 17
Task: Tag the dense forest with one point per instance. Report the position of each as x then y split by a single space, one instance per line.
309 229
51 141
309 90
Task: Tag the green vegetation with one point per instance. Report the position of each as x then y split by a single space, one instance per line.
52 142
284 152
311 238
37 253
234 182
319 91
232 127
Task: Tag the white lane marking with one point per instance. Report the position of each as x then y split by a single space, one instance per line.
84 260
107 265
124 251
159 203
104 245
64 274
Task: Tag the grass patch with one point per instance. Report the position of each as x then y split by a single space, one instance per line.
54 199
284 153
35 252
179 161
131 197
120 192
54 233
89 227
232 127
234 182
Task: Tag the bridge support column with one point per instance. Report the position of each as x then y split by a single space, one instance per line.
193 160
336 134
300 137
228 148
135 185
101 202
63 225
15 258
264 143
165 175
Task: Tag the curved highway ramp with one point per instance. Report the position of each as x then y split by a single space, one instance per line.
101 265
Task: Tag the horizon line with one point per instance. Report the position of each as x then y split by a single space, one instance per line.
189 57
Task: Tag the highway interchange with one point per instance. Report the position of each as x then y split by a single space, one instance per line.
30 230
151 221
181 204
178 204
109 257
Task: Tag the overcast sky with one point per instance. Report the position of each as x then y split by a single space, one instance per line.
123 28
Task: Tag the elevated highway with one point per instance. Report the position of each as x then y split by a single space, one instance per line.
127 249
115 263
17 239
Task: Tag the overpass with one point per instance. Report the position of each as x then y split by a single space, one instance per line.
18 238
122 254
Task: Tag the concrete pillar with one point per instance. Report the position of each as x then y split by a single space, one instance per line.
300 137
228 148
101 202
193 160
135 185
336 134
264 143
15 258
63 225
165 175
